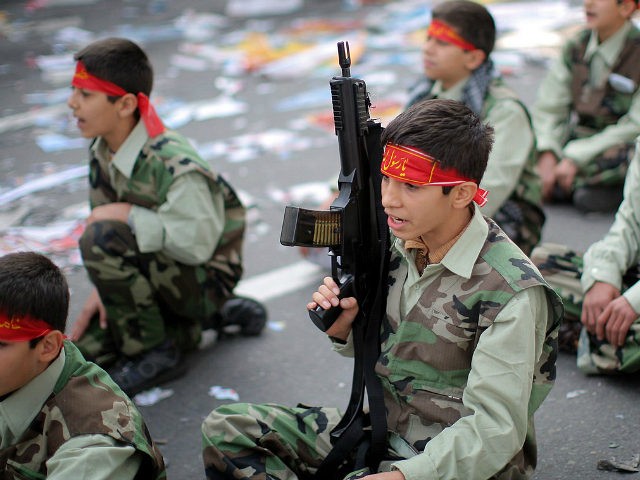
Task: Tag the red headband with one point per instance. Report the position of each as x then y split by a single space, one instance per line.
440 30
410 165
22 329
83 79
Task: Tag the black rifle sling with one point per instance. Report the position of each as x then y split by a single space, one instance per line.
350 431
375 396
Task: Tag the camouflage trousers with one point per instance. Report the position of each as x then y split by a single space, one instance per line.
607 170
271 442
522 222
148 297
562 269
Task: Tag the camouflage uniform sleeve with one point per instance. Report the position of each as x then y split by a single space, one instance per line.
498 392
94 457
187 227
608 259
550 112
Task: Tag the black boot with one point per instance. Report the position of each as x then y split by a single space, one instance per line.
598 199
248 314
149 369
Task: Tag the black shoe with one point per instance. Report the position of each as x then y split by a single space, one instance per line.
559 195
597 199
149 369
248 314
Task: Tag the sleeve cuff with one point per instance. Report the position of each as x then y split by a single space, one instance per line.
556 149
633 297
345 349
580 154
417 468
147 228
600 274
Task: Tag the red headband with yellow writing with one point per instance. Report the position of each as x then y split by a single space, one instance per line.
83 79
440 30
22 329
410 165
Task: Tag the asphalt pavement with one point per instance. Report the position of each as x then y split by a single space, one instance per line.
232 77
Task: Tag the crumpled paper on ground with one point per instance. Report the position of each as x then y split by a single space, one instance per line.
614 465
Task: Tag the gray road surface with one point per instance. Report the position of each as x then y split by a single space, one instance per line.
585 419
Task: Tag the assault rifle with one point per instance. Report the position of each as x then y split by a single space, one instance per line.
355 231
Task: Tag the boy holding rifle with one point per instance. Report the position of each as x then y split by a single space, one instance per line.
468 342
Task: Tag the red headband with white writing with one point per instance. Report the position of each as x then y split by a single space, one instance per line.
83 79
410 165
440 30
22 328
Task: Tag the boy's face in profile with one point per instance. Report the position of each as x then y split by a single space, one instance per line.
447 62
96 116
607 16
19 364
413 210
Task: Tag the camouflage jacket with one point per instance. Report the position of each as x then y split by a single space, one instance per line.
427 351
160 160
84 401
598 107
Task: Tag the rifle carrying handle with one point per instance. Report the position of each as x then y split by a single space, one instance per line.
323 319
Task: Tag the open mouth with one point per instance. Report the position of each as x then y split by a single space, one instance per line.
396 220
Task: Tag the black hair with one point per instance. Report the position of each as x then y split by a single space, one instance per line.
119 61
447 130
32 285
470 20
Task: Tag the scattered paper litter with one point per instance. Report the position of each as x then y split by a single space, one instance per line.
276 326
152 396
576 393
223 393
615 465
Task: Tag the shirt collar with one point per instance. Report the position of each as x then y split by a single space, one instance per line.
126 156
462 256
21 407
610 49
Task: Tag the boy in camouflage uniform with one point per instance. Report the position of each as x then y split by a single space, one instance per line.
60 416
468 344
457 66
587 112
601 289
163 241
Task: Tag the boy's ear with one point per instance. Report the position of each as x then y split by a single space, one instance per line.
50 345
128 104
462 195
475 58
627 7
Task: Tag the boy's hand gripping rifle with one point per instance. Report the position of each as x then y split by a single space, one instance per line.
356 233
